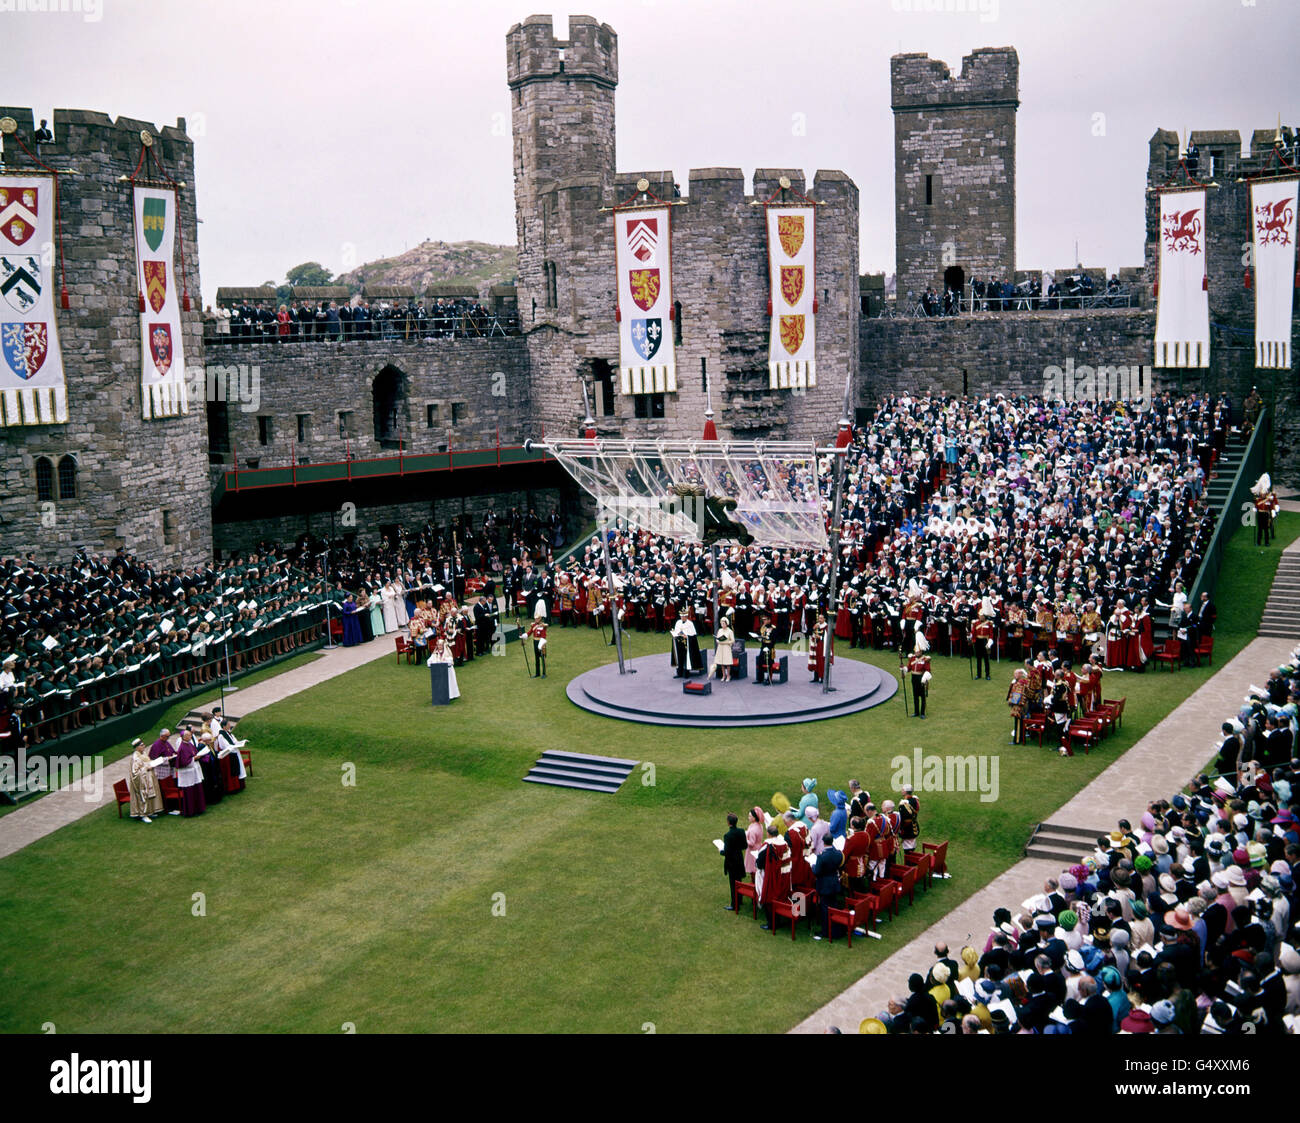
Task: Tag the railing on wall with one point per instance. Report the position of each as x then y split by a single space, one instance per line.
403 464
1252 465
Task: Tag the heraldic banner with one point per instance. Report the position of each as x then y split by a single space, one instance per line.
1182 302
162 358
792 362
1273 211
32 390
646 362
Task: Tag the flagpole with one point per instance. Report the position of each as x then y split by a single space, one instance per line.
589 428
842 446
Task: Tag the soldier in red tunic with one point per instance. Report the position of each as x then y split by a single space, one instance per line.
537 631
919 668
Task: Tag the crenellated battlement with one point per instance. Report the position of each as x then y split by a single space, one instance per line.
990 76
1219 153
533 53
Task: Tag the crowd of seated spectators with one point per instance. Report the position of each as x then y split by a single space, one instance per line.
331 321
102 636
1014 508
1185 924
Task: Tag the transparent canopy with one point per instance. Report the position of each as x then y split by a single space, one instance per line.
764 492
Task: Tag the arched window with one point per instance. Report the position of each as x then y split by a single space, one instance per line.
44 480
68 478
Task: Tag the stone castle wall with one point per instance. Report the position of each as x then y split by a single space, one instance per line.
954 167
142 485
478 390
564 189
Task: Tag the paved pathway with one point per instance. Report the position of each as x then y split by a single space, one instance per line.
71 802
1157 766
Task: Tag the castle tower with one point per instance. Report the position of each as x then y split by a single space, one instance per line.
118 481
954 168
562 100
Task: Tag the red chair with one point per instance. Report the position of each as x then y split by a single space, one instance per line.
847 917
1116 708
1205 649
170 793
786 908
123 794
906 876
923 863
1086 731
336 631
882 898
940 852
1035 723
404 647
745 889
246 755
1171 653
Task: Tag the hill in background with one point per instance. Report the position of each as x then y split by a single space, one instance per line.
470 263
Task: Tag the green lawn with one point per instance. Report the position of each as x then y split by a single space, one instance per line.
375 903
202 700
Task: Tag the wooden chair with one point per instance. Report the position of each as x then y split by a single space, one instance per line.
847 917
1116 708
906 877
171 794
882 898
1086 731
405 647
1171 653
745 889
923 863
1035 723
246 755
940 852
781 909
123 793
1205 649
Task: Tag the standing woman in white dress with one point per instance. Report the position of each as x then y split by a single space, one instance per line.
388 606
441 654
723 658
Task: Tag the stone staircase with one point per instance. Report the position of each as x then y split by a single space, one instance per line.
1062 844
1217 491
577 770
1282 612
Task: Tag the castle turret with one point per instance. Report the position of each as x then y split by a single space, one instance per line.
562 99
107 478
954 168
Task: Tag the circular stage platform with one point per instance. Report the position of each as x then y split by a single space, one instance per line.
654 695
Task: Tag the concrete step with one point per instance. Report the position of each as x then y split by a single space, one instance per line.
1086 833
604 789
1055 854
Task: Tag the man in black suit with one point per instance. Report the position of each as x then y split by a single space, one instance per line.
733 858
1203 624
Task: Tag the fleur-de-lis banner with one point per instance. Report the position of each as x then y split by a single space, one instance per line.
1182 300
162 357
32 390
792 261
647 364
1273 222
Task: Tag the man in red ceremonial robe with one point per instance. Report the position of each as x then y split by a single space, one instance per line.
817 650
1118 630
801 872
776 871
855 855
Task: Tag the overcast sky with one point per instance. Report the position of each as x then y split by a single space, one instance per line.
346 130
